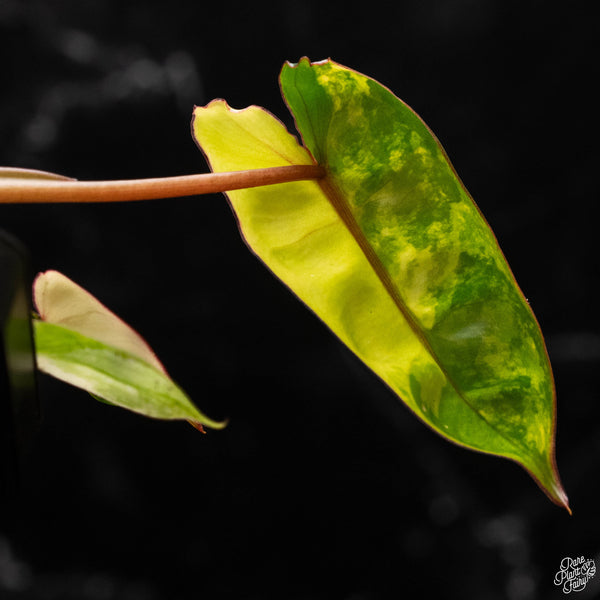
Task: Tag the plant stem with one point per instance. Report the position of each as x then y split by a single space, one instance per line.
54 188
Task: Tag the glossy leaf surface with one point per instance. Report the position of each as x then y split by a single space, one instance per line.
79 341
390 251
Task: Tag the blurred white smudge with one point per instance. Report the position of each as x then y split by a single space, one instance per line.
106 75
15 575
576 346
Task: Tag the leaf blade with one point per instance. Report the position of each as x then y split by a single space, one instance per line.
81 342
61 301
443 262
385 252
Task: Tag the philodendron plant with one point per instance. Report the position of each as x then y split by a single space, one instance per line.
367 222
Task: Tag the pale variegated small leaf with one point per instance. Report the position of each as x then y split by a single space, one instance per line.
80 341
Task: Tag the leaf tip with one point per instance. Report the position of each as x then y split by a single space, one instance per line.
549 482
560 497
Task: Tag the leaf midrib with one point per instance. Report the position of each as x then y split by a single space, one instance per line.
335 197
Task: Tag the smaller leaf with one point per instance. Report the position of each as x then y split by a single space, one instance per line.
80 341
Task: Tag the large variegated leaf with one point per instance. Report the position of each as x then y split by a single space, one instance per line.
80 341
390 251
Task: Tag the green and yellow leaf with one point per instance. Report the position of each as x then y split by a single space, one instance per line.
80 341
390 251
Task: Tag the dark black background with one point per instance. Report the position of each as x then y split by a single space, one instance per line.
323 486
